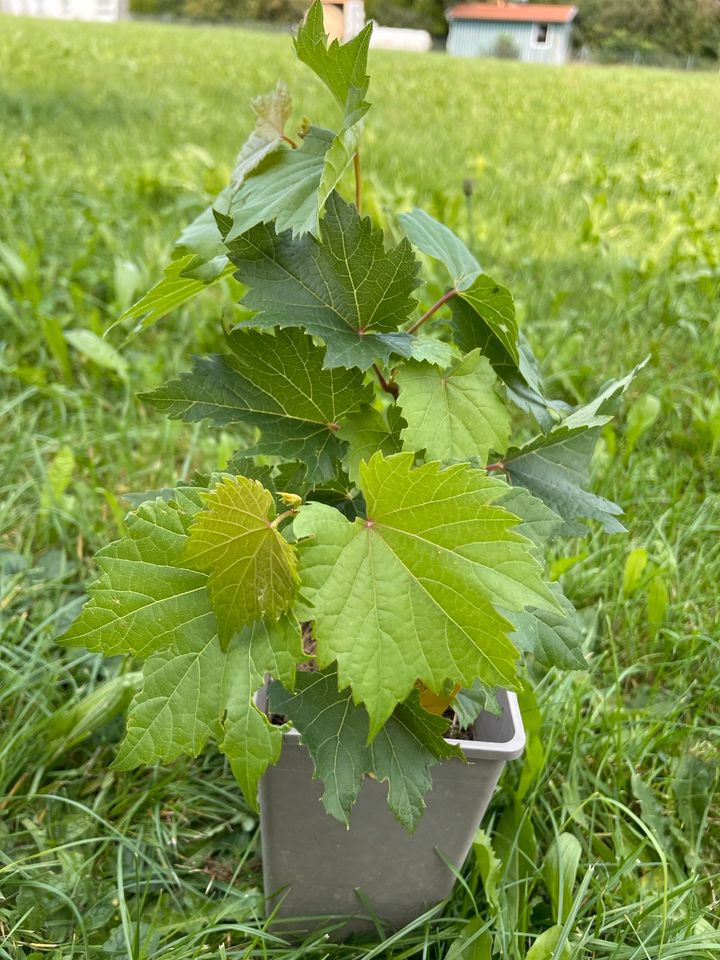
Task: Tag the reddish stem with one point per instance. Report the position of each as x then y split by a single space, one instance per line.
387 385
433 309
290 141
495 466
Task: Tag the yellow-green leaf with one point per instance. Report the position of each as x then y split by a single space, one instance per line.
251 567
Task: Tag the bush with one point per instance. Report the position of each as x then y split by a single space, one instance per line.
505 48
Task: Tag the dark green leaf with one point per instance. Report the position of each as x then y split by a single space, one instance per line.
285 188
470 702
346 289
278 384
555 466
553 639
368 431
335 732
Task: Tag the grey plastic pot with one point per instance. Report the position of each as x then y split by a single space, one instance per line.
314 867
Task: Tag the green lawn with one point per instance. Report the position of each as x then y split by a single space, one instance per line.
596 199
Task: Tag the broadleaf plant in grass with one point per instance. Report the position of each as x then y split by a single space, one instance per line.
382 524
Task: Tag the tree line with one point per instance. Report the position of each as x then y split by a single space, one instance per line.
688 28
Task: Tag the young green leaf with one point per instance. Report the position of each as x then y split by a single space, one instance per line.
278 384
433 559
200 258
341 67
196 691
285 188
272 111
251 567
346 288
147 597
176 288
453 414
368 431
335 732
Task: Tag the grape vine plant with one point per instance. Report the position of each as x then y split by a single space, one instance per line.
373 553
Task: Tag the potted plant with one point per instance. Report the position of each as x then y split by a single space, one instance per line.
366 574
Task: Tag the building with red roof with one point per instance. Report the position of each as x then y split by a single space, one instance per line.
532 32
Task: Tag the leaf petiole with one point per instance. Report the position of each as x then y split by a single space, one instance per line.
433 309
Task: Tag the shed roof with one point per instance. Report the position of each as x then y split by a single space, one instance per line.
522 12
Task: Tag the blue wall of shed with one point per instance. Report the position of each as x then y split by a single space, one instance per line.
478 38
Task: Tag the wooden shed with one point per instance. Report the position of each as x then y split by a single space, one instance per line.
532 32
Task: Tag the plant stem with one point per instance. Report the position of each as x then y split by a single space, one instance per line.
290 141
495 466
358 182
433 309
283 516
388 385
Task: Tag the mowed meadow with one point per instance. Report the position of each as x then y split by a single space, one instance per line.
594 194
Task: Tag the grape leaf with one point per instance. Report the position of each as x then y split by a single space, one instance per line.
147 597
555 640
490 324
538 522
434 351
335 732
149 602
251 567
483 314
439 242
410 593
272 111
470 702
453 414
346 289
481 306
403 752
555 467
175 289
200 258
341 67
368 431
248 739
196 691
278 384
285 188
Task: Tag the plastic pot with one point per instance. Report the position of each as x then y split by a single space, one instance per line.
314 867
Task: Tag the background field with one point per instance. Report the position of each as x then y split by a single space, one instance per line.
597 201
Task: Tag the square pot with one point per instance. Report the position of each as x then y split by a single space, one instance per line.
313 866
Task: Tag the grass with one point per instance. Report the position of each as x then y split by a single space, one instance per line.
596 199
